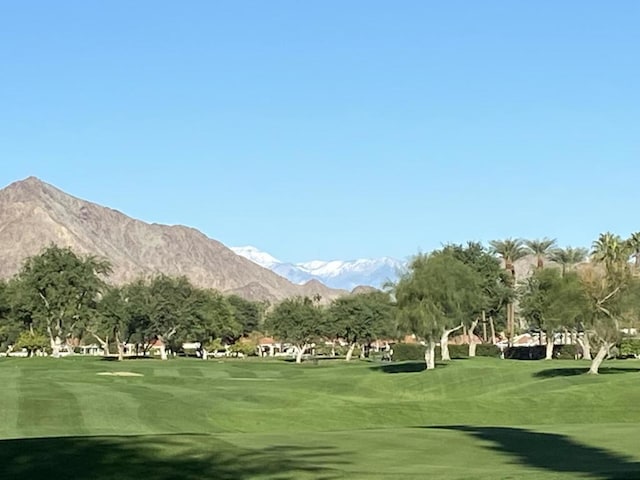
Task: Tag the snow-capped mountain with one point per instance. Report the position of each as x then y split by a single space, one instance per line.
335 274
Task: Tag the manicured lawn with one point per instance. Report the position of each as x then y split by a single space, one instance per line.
471 419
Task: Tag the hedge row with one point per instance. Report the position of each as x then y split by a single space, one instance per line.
413 351
630 347
539 352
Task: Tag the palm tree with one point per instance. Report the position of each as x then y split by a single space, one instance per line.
541 249
568 257
509 250
633 242
610 250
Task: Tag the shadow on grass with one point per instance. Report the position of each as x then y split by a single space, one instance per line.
405 367
573 371
553 452
159 457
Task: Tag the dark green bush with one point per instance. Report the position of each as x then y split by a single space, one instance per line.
539 352
455 351
487 350
630 347
412 351
408 351
565 352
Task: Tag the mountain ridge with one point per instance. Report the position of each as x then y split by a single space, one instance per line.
342 274
34 214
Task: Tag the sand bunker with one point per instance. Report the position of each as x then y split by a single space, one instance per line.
121 374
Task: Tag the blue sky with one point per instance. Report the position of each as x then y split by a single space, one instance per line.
332 129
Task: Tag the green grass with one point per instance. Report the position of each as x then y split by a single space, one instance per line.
470 419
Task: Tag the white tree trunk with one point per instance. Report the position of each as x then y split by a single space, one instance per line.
597 361
550 337
300 352
352 347
120 345
205 354
585 346
56 343
472 343
163 352
430 355
103 343
444 343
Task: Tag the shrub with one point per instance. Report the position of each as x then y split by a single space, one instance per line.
32 341
539 352
565 352
487 350
455 351
408 351
245 348
630 347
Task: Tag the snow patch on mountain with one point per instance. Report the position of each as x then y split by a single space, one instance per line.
374 272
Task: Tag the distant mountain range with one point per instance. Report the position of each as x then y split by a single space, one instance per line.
340 274
34 214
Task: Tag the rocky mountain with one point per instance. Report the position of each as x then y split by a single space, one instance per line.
341 274
34 214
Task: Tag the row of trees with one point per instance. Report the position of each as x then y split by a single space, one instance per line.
59 298
457 285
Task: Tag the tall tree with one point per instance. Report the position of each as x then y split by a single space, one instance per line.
541 248
509 250
434 297
60 290
209 316
551 301
610 250
568 257
361 318
113 320
633 243
607 283
495 292
249 314
299 321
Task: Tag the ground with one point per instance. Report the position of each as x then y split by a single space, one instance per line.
239 419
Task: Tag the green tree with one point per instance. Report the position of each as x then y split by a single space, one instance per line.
551 301
59 290
541 248
31 341
434 297
209 316
247 313
607 284
568 257
361 318
172 310
633 242
509 250
495 291
113 320
299 321
610 250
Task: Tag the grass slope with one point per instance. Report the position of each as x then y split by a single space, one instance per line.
478 418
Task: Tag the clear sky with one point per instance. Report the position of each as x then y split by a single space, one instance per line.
332 129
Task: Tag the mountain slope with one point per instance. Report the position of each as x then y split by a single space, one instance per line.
336 274
34 214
